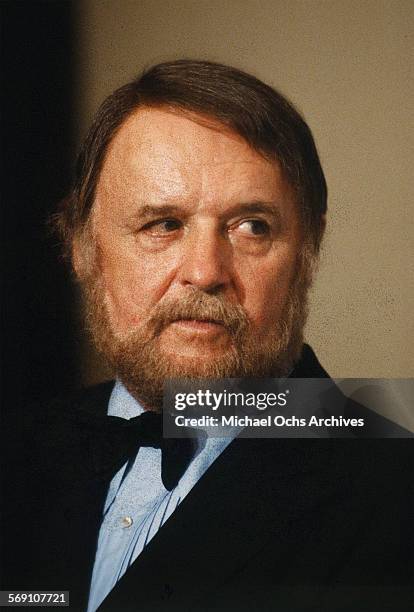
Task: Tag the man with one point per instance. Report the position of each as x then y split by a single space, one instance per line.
194 228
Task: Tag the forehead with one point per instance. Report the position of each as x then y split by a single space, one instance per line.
165 155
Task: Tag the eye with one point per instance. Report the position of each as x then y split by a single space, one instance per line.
255 227
162 227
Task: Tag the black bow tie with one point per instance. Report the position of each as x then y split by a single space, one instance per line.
112 441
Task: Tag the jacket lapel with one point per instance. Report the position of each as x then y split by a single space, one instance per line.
68 496
251 492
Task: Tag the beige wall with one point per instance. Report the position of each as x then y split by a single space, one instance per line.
346 64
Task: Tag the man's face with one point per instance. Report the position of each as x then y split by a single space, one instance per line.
198 240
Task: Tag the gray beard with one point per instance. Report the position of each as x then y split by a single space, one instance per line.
138 361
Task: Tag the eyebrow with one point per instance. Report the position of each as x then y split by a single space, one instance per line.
253 207
149 210
256 206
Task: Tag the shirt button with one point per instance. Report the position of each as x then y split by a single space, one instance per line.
126 522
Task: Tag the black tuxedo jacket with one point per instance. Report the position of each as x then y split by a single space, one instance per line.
274 524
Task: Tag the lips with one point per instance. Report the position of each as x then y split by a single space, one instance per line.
198 321
199 325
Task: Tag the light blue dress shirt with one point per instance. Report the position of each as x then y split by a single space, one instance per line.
137 503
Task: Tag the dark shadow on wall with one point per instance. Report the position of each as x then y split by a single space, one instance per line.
38 339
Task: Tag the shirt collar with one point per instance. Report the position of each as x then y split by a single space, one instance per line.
123 404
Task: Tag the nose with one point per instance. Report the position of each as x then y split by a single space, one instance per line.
206 261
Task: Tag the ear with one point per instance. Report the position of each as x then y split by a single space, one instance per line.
321 233
83 254
323 226
77 257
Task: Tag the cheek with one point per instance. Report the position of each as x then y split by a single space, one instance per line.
123 295
266 288
133 285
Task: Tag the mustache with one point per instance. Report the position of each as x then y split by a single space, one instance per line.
202 307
